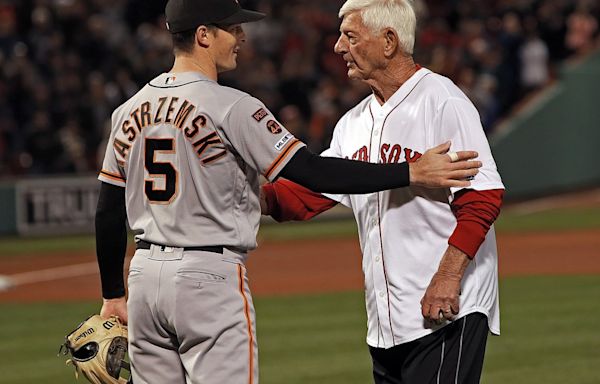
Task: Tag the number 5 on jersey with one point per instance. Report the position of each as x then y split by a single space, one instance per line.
158 169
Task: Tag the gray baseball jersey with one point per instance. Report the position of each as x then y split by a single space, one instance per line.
189 153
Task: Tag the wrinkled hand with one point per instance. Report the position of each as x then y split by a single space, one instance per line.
114 307
441 299
435 169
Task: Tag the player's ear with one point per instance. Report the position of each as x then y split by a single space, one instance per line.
203 36
391 44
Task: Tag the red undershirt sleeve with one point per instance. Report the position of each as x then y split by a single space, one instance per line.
475 212
288 201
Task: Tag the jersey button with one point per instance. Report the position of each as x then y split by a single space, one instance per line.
377 259
381 294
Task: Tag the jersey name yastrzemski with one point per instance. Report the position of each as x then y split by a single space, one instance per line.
163 112
189 152
143 116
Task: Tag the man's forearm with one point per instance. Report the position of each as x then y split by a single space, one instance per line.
454 263
434 169
111 240
336 175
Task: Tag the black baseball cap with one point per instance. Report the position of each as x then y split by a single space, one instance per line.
183 15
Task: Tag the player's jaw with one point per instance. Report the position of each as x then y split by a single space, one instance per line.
230 63
360 67
232 37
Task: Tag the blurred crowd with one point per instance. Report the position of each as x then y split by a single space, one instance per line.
66 64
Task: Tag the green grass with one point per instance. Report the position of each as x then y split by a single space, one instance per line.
550 220
549 336
31 335
313 339
14 246
549 331
509 221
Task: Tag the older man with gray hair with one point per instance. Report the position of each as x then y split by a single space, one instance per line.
429 256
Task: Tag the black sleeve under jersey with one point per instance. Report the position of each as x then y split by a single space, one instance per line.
111 239
334 175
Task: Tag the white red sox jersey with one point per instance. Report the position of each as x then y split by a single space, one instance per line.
404 232
189 153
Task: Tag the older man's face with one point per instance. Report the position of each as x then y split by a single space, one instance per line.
361 49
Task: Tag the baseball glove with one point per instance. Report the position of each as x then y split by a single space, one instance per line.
97 349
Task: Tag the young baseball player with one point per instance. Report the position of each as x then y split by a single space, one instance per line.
429 256
182 166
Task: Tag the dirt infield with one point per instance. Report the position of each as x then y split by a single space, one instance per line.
278 268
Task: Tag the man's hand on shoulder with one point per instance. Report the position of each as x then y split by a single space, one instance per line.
439 169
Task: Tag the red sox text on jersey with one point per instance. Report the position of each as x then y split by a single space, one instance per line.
390 153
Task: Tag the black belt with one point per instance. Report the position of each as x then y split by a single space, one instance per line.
142 244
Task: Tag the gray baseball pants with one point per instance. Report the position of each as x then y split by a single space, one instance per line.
191 318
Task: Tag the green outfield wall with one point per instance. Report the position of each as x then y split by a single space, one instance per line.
8 212
67 205
553 145
48 206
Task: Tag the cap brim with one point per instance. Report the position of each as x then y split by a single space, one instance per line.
243 16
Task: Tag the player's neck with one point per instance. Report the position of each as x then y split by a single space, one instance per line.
388 81
195 63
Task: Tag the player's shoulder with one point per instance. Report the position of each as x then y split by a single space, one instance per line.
125 108
229 99
232 93
439 87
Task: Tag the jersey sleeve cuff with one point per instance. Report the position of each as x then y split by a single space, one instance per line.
281 161
468 237
111 178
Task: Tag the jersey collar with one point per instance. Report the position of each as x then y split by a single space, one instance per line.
400 94
171 80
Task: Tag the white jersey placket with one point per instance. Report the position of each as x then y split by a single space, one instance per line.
376 255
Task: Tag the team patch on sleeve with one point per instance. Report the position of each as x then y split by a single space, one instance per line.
274 127
284 140
260 115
